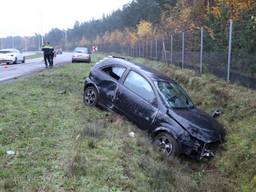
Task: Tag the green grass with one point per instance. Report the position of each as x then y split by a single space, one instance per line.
235 162
34 56
62 145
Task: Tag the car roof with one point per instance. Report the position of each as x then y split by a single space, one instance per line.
142 69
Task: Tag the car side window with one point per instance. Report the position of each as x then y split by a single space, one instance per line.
140 86
115 72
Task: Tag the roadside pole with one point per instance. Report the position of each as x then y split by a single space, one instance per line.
164 51
156 49
1 41
229 48
139 48
201 50
171 49
183 50
151 49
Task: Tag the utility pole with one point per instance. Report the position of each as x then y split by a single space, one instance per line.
66 39
12 42
39 42
1 41
25 42
42 29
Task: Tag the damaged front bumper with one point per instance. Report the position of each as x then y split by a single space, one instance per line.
198 149
206 153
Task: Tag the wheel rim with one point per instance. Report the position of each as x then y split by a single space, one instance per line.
164 145
90 97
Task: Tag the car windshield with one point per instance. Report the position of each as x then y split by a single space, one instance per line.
81 50
174 95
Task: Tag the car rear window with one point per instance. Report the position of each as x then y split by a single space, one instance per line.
81 50
6 52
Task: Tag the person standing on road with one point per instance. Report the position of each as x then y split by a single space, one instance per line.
48 50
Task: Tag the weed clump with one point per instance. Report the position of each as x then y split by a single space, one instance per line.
93 130
78 166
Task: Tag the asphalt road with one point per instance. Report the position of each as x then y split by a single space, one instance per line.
11 72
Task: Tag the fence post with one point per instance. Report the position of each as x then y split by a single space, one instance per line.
151 49
171 49
136 50
183 50
164 51
146 48
201 50
139 48
229 48
156 49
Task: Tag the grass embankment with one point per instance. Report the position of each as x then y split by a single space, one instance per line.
62 145
34 56
236 161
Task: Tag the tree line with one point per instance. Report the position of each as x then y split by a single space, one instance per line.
142 19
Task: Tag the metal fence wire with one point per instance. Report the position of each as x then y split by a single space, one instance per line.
200 51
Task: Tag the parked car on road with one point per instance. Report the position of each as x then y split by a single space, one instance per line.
81 54
156 104
11 56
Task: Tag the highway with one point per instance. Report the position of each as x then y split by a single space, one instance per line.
15 71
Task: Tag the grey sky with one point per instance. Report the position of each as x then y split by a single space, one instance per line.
27 17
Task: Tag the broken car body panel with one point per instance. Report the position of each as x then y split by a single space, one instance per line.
155 103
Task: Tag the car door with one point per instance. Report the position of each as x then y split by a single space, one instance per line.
108 84
136 100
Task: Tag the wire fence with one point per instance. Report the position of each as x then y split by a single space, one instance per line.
200 51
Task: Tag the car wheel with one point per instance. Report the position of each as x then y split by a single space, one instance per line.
24 60
90 96
167 145
15 61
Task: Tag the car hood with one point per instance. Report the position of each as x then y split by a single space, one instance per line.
199 124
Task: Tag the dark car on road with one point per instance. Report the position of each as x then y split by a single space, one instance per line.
155 103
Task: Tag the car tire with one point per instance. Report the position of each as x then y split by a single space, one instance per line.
90 97
167 145
15 61
23 60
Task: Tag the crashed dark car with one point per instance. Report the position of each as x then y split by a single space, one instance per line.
155 103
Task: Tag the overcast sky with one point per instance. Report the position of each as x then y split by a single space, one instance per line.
27 17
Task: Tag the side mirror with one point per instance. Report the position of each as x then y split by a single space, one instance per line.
216 113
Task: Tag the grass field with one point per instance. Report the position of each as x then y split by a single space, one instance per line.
34 56
62 145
